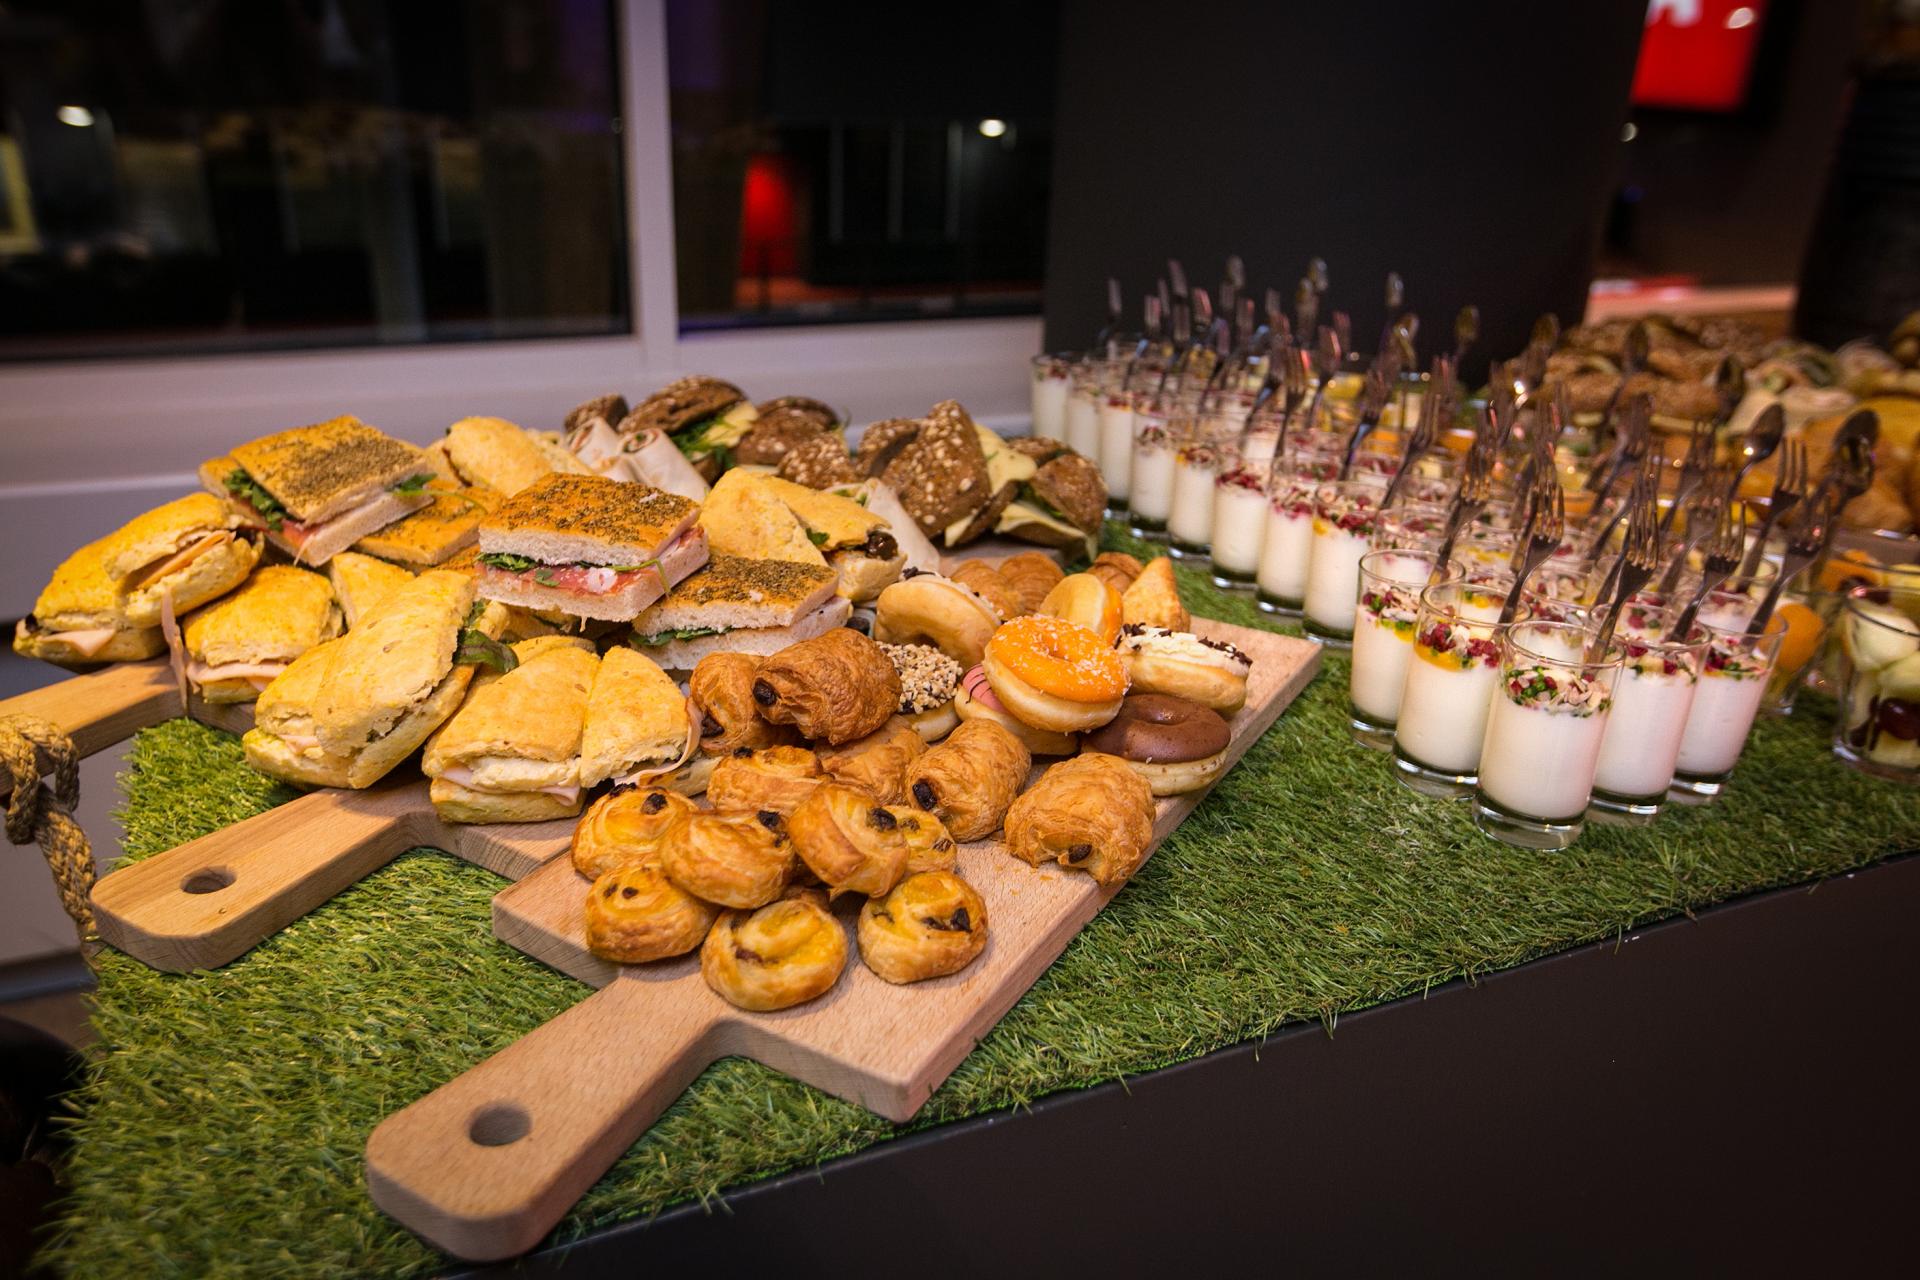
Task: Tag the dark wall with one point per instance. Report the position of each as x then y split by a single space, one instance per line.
1472 148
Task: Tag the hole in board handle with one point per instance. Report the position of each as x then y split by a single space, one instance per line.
498 1124
206 880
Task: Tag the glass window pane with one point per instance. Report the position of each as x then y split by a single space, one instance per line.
194 175
859 161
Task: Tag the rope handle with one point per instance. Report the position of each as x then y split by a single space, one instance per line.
41 813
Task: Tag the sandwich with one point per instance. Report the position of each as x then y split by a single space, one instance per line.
588 546
317 490
1062 506
80 618
511 753
736 605
345 712
434 533
186 552
639 724
858 543
744 517
780 425
497 455
705 417
235 646
941 473
360 581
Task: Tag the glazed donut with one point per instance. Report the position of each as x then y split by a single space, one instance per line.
1054 674
927 608
928 681
1088 601
1176 745
1210 672
975 700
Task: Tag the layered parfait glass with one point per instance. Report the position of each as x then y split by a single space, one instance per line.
1150 482
1449 687
1051 376
1391 581
1346 514
1204 449
1286 544
1733 680
1652 700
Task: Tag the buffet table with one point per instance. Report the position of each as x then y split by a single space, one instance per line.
226 1122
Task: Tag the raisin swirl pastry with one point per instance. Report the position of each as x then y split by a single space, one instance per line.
628 828
784 954
929 845
932 924
722 691
848 839
1092 812
635 914
833 688
776 778
877 762
969 780
733 859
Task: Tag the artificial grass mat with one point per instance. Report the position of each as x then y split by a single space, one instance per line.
222 1128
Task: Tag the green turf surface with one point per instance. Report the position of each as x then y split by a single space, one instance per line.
222 1129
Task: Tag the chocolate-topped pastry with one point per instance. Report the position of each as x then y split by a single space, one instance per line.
801 406
818 461
941 476
1176 745
882 442
610 408
682 403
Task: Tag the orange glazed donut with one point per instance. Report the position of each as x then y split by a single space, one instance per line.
1087 600
1054 674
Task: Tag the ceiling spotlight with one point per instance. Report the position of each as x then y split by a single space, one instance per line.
78 117
1741 17
1629 131
992 128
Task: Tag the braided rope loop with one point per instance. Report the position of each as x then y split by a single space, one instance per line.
41 813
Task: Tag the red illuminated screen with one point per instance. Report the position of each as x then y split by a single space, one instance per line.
1697 54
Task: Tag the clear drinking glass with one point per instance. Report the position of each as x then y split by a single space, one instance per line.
1877 729
1544 729
1733 679
1346 515
1239 519
1051 376
1196 465
1651 702
1287 545
1449 687
1116 441
1150 486
1412 525
1390 585
1081 423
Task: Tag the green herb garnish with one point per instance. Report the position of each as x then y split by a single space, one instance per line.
414 485
478 649
816 537
665 637
243 486
508 561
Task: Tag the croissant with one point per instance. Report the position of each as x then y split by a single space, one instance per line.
929 846
734 859
781 955
986 581
1032 574
636 914
930 925
1091 812
877 762
969 780
776 778
834 688
722 690
627 828
849 840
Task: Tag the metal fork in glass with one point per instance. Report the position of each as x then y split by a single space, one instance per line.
1789 491
1549 525
1722 558
1804 545
1639 559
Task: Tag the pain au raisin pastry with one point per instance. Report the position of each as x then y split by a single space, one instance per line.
1092 813
878 762
776 778
833 688
735 859
930 847
849 839
635 914
969 780
628 828
930 925
722 691
781 955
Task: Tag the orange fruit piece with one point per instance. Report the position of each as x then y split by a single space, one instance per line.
1801 644
1850 569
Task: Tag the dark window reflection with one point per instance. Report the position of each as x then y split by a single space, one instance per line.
859 161
244 174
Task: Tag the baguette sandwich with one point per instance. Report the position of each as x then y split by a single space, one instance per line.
238 644
511 753
345 712
317 490
639 724
588 546
361 581
735 605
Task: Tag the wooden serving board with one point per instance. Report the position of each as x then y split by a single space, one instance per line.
204 903
100 708
484 1166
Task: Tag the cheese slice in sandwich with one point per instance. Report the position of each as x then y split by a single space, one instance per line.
744 516
186 549
317 490
238 644
361 581
433 534
589 546
736 605
80 618
512 750
639 724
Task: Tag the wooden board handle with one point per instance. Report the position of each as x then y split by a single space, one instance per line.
484 1166
203 903
103 707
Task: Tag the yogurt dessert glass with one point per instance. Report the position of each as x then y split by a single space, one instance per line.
1203 453
1733 680
1080 425
1544 730
1116 443
1390 585
1286 543
1346 514
1051 375
1652 698
1877 729
1239 520
1449 687
1150 482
